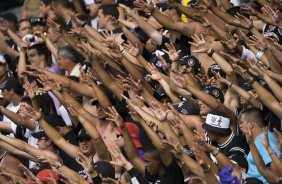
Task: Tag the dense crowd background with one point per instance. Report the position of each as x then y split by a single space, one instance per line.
135 91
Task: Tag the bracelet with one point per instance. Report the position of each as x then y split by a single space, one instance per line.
58 165
210 52
259 54
230 84
215 153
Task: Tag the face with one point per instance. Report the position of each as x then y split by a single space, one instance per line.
204 109
3 70
86 146
102 20
23 112
7 94
216 83
151 164
62 63
101 112
11 164
42 143
243 123
37 29
33 57
24 28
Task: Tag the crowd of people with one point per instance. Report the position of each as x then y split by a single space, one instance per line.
141 92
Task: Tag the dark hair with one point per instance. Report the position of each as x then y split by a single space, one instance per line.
254 114
42 50
152 150
10 17
110 10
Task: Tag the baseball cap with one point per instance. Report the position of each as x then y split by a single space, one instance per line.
134 133
192 62
39 134
2 60
54 120
13 83
83 134
105 169
217 122
215 68
187 107
215 92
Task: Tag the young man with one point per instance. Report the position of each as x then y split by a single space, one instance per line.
232 146
253 120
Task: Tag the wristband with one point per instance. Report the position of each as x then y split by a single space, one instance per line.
58 165
259 54
210 52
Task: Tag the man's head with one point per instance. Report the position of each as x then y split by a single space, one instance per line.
187 62
251 118
37 25
43 142
214 68
85 143
217 124
152 160
107 15
12 21
12 88
38 55
24 27
66 56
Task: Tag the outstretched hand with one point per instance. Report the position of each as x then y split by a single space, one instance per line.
114 116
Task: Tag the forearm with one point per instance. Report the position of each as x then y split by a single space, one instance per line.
14 37
247 96
53 49
133 39
275 160
228 18
264 171
268 99
14 117
223 64
21 65
192 165
93 33
275 88
276 53
148 29
273 63
101 96
188 11
275 76
174 98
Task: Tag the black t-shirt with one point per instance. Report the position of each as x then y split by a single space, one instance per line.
67 160
173 174
237 149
